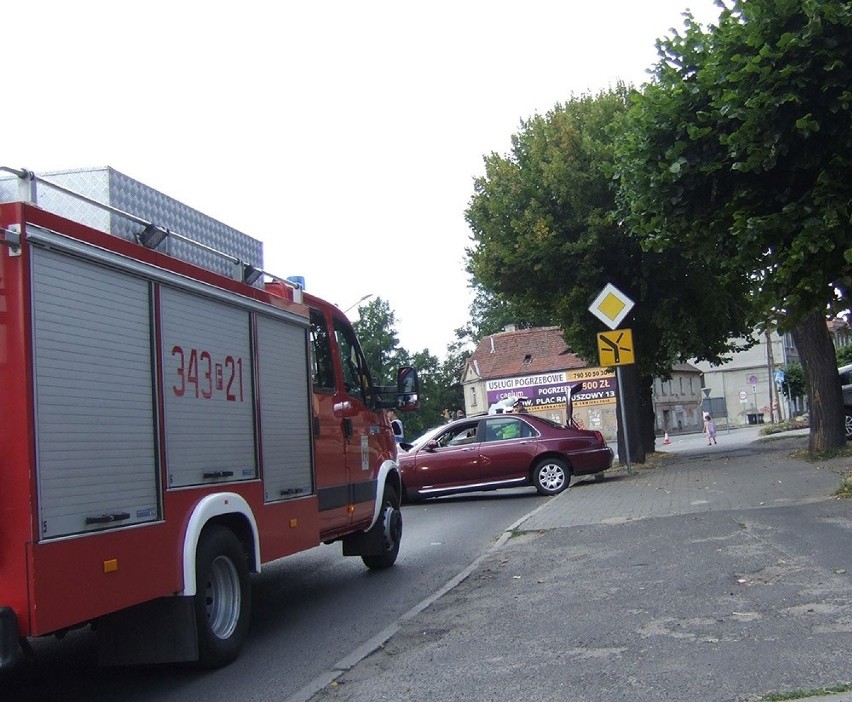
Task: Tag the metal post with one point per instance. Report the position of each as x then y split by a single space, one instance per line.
770 363
623 412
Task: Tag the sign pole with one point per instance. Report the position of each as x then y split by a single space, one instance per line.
611 306
623 412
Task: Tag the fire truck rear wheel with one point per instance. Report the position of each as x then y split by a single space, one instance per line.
222 597
389 525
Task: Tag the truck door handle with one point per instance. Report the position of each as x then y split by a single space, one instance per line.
108 518
219 474
292 491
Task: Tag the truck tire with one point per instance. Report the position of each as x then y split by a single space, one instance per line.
222 596
389 528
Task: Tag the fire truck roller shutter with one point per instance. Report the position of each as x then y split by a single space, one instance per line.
95 437
208 390
285 410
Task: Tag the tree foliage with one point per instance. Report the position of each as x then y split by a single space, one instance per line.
439 380
376 330
548 237
737 156
844 355
490 314
794 384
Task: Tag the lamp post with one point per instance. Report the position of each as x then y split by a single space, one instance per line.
355 304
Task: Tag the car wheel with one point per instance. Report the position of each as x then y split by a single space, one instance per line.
551 476
848 425
223 596
390 526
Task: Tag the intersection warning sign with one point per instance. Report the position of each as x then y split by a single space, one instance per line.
615 348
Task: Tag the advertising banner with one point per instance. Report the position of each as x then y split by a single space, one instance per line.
548 390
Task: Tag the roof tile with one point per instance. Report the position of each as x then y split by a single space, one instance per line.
524 352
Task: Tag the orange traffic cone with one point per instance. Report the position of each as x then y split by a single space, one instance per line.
666 441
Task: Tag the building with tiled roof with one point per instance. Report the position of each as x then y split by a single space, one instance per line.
522 352
537 366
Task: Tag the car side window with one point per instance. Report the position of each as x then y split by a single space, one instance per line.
527 431
502 428
458 436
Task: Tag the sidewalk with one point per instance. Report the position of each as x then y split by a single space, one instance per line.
722 574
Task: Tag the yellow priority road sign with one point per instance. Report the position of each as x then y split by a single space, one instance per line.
615 348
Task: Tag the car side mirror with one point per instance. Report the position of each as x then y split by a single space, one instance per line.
430 445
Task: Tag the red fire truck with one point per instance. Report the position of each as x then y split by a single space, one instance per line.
168 429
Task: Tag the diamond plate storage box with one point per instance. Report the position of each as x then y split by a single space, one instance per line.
108 186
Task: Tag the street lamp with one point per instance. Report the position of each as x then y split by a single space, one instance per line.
355 304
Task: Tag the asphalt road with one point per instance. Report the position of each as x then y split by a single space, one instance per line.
309 612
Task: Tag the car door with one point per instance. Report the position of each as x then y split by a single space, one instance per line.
451 459
508 448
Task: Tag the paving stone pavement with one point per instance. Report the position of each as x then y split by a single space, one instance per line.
718 574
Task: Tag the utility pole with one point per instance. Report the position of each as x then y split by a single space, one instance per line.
770 362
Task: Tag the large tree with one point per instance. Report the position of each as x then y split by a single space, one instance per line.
548 237
738 153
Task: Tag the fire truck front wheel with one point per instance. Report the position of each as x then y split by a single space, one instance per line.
222 598
388 528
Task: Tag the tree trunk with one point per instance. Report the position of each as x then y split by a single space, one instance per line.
646 412
631 394
825 397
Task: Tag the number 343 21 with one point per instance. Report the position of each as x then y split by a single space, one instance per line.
198 375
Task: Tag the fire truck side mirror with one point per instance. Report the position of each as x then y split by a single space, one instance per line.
407 389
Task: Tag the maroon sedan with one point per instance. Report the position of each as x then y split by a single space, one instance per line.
499 451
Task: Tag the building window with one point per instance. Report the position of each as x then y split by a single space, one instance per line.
681 384
473 397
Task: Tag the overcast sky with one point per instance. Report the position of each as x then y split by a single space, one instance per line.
344 135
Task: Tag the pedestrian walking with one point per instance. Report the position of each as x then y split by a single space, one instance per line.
709 428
